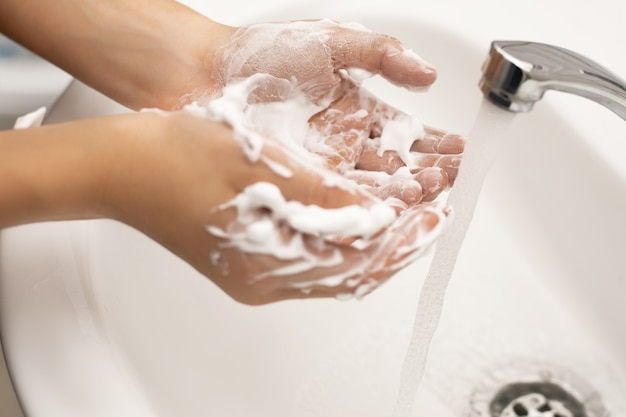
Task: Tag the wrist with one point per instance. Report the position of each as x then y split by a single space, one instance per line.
59 172
193 42
178 66
164 58
169 59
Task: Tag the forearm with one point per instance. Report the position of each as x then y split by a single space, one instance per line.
118 46
59 172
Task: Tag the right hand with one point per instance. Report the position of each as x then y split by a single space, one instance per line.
174 175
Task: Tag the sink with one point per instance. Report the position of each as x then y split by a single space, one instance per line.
28 82
98 320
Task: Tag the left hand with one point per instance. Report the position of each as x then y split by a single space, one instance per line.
317 57
313 54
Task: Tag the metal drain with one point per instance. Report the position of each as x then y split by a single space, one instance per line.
534 390
541 399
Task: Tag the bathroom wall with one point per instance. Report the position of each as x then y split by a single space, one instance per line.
26 82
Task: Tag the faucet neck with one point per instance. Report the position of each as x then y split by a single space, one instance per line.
516 75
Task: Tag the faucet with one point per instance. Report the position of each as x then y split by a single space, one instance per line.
516 74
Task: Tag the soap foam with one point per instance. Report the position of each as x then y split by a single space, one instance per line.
398 135
350 220
263 212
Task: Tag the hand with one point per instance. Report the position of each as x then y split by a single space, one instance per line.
316 57
415 168
184 193
313 54
348 134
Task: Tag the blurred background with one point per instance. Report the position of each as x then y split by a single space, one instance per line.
27 82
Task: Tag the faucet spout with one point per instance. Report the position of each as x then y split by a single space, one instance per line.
517 74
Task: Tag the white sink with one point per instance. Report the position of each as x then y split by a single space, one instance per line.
98 320
27 82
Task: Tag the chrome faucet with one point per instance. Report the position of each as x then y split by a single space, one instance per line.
517 74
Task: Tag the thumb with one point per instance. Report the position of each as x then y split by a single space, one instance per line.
309 182
382 55
317 201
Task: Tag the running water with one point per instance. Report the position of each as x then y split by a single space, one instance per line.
480 151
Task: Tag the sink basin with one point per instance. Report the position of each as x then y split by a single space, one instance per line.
98 320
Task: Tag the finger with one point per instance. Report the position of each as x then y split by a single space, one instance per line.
433 180
370 160
390 161
306 182
411 189
439 142
448 163
324 269
382 55
409 237
343 128
363 266
432 141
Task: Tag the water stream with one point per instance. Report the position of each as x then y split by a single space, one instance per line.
480 151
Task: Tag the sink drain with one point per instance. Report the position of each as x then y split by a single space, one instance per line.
533 390
541 399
